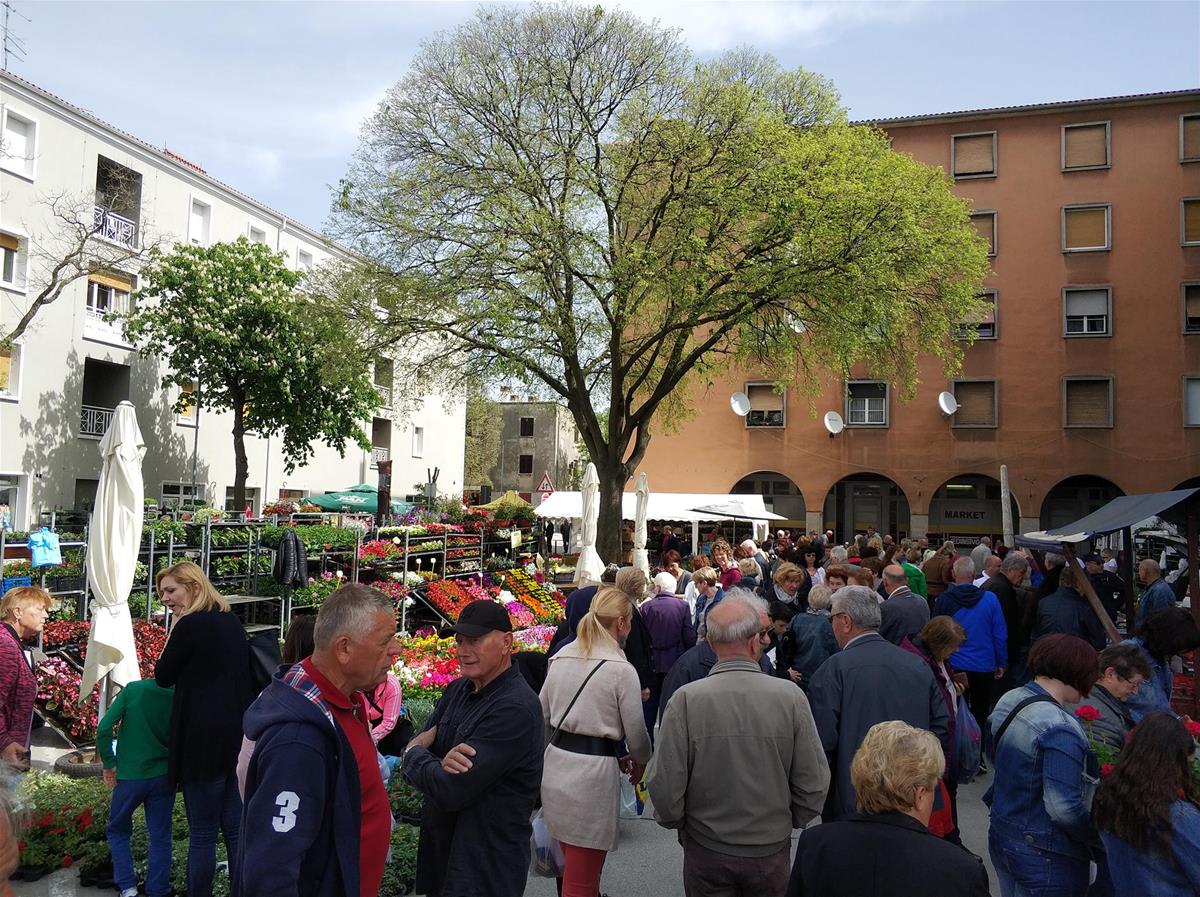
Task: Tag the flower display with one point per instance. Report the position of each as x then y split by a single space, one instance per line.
536 638
519 615
447 597
378 551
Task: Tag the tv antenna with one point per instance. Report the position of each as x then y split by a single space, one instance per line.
9 42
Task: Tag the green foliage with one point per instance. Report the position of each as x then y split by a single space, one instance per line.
485 426
401 870
314 538
419 704
163 529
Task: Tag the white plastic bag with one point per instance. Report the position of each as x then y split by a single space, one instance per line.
546 852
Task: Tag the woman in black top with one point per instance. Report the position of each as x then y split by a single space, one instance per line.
207 660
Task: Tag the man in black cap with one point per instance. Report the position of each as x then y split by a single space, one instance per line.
1110 588
479 764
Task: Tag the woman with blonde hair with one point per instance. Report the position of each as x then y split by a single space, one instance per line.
24 612
207 660
591 702
886 847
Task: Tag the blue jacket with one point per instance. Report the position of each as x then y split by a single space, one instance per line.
1138 872
815 643
1156 597
302 812
979 613
1045 777
1068 612
1155 694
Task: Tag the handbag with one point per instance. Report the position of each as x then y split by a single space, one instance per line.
968 746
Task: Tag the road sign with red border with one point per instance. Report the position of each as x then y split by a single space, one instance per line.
546 486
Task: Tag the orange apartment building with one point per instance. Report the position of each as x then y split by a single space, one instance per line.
1085 381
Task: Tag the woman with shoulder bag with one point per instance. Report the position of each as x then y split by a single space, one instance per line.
591 702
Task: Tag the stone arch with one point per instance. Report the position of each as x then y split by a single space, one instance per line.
780 494
866 499
1076 497
968 506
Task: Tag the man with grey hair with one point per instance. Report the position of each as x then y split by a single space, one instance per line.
837 555
903 614
1019 610
316 818
739 764
869 681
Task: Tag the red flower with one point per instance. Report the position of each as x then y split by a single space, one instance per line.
1105 768
1087 713
68 861
21 846
1193 727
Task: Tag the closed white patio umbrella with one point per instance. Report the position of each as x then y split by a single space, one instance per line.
113 540
589 566
641 557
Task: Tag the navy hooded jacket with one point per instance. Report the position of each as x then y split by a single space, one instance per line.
979 613
302 812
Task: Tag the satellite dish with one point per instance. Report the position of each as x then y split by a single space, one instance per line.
947 403
740 403
834 423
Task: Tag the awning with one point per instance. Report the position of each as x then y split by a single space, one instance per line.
664 506
1118 514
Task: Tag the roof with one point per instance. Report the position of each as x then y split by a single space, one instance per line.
172 160
1118 514
1037 108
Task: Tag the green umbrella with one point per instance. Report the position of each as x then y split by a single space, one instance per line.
356 498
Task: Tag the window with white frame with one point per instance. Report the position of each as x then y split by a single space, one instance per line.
18 144
766 405
199 223
866 403
1191 401
304 260
181 493
1189 137
1086 228
256 234
14 261
1087 312
418 442
108 293
10 371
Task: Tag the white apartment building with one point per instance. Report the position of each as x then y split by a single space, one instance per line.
61 382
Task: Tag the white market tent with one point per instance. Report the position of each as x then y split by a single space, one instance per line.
661 506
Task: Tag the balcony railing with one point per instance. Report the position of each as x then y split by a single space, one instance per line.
94 421
379 454
385 396
112 226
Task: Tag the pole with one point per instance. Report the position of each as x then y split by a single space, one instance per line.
1126 566
195 443
1006 506
266 475
1090 594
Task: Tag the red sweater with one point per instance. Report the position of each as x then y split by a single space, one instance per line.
18 688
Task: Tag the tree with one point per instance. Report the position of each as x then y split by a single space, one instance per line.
564 197
485 426
229 318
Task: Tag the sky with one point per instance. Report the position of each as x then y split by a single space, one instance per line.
269 97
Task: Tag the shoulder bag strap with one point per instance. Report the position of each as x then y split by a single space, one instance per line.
562 719
1032 699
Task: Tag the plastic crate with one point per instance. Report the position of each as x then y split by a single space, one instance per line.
13 582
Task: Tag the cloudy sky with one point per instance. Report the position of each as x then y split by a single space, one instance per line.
269 96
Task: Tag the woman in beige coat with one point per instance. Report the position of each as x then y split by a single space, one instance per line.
581 778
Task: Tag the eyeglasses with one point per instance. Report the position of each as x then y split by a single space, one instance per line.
764 634
1134 684
840 613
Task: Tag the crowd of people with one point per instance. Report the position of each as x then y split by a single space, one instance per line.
846 691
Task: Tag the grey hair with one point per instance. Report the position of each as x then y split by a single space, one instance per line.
1012 562
665 582
743 626
351 610
985 540
820 598
964 566
1054 560
860 604
838 554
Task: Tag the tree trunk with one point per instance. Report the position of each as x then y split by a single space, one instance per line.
241 464
608 531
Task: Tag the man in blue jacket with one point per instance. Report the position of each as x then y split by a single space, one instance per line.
984 655
1156 592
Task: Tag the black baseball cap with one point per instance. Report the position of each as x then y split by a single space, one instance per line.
1093 558
481 617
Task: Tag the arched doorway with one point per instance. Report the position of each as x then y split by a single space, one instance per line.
967 507
1189 483
866 500
779 494
1076 497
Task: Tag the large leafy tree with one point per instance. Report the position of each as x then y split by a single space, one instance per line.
230 318
563 196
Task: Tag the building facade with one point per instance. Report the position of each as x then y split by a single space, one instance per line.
538 440
60 383
1084 379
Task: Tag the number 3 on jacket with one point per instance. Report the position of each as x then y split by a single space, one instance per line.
288 803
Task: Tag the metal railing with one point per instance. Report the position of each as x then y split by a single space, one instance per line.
379 454
94 421
385 395
117 228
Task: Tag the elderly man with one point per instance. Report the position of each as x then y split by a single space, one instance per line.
903 614
869 681
739 765
1016 604
991 566
316 819
479 764
1156 591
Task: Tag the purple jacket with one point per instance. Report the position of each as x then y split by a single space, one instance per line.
669 622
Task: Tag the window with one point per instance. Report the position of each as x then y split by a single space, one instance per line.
976 403
985 223
1190 221
526 426
866 404
303 260
1191 401
14 261
292 494
418 446
973 155
1086 228
187 413
177 493
1086 312
10 372
108 291
1189 137
985 324
18 144
766 406
525 465
1191 308
1085 146
251 500
257 234
1087 402
200 223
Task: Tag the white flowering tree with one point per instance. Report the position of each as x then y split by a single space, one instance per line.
228 319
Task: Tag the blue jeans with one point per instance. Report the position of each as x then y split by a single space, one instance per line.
1028 871
211 807
158 798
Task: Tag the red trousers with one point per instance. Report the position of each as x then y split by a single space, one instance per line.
581 872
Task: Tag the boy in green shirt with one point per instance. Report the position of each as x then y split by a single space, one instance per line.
137 772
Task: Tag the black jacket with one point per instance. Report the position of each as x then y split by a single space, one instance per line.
883 855
1110 589
291 561
1017 606
1068 611
693 664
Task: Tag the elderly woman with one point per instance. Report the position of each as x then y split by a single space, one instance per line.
790 585
813 633
24 612
886 848
1123 671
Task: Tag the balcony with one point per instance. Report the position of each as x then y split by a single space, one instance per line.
95 327
94 421
378 453
111 226
385 396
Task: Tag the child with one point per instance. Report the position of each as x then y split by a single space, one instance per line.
138 772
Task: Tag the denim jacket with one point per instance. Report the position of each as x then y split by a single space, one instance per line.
1046 776
1147 872
1155 694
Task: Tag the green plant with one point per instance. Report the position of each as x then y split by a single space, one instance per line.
401 870
163 529
315 538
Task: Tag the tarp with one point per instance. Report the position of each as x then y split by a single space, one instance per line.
589 566
659 506
641 557
357 498
508 499
1118 514
736 509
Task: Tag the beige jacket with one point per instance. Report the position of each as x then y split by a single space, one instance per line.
738 762
581 793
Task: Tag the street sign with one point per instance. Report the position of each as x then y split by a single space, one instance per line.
545 486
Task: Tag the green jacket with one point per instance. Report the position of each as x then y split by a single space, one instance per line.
143 710
916 579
